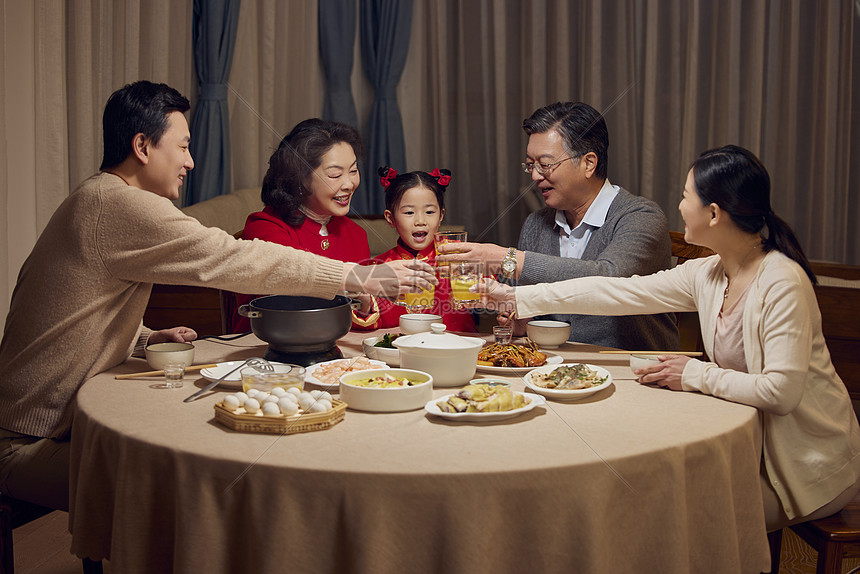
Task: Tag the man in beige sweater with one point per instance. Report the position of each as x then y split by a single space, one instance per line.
78 305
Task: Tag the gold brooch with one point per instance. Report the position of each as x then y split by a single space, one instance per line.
324 244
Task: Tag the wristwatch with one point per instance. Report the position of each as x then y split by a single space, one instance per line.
509 263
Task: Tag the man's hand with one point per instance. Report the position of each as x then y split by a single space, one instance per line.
490 253
390 279
174 335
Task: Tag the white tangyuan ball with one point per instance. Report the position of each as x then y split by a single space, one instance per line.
320 406
271 409
242 398
287 406
271 399
252 405
279 391
231 403
294 391
306 400
325 395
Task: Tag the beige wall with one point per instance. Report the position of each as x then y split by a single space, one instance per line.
18 147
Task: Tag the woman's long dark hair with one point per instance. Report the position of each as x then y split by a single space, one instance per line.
735 179
297 156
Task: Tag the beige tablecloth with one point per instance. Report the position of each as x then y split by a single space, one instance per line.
632 479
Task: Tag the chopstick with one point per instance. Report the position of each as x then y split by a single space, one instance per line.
684 353
159 373
508 319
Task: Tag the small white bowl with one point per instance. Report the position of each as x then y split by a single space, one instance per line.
548 334
160 354
388 356
386 400
412 323
641 361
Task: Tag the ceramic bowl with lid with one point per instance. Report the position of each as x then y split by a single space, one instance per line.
451 359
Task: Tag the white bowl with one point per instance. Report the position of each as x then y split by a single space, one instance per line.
451 359
641 361
386 400
388 356
160 354
412 323
548 334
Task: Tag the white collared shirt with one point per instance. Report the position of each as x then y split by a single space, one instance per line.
572 242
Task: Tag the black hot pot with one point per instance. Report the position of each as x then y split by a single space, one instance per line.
300 330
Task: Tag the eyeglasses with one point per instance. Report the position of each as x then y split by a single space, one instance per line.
542 168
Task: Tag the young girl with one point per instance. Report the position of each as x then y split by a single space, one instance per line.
415 206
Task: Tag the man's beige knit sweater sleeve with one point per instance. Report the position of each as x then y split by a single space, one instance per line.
77 308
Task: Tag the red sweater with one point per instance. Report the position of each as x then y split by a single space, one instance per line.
389 313
346 241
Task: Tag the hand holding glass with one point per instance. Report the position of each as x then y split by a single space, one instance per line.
464 276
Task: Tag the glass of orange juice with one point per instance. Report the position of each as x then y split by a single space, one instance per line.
442 237
465 275
417 301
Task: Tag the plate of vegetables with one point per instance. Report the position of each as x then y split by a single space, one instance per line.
382 349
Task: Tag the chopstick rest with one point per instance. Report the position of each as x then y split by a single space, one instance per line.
160 373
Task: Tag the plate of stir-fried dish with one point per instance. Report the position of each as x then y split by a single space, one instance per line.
568 381
514 359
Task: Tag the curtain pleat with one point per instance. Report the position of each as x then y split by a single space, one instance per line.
214 37
337 22
384 40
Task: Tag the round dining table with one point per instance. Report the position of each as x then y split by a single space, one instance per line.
633 478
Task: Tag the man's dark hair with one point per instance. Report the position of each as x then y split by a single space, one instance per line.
580 126
138 108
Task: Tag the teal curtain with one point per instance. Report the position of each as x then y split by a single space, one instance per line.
337 23
385 31
213 37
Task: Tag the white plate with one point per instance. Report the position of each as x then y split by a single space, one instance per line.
551 359
567 394
385 354
234 380
310 378
432 408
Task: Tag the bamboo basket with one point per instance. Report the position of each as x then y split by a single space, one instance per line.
280 424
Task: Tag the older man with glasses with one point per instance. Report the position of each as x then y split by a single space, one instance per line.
588 227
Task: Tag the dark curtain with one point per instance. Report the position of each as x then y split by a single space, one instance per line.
385 32
337 20
213 36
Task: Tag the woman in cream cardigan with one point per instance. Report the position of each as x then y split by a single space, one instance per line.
760 325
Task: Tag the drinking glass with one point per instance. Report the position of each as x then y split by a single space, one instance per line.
173 375
442 237
420 301
464 275
285 376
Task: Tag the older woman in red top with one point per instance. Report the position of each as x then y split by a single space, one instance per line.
307 191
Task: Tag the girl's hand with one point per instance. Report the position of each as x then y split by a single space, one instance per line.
174 335
667 373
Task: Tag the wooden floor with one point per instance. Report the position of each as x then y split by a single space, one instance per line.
42 547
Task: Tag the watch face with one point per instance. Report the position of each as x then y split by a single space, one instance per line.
509 266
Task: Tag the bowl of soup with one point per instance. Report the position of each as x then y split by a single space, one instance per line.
386 390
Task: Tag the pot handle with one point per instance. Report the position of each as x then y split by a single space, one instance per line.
245 311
